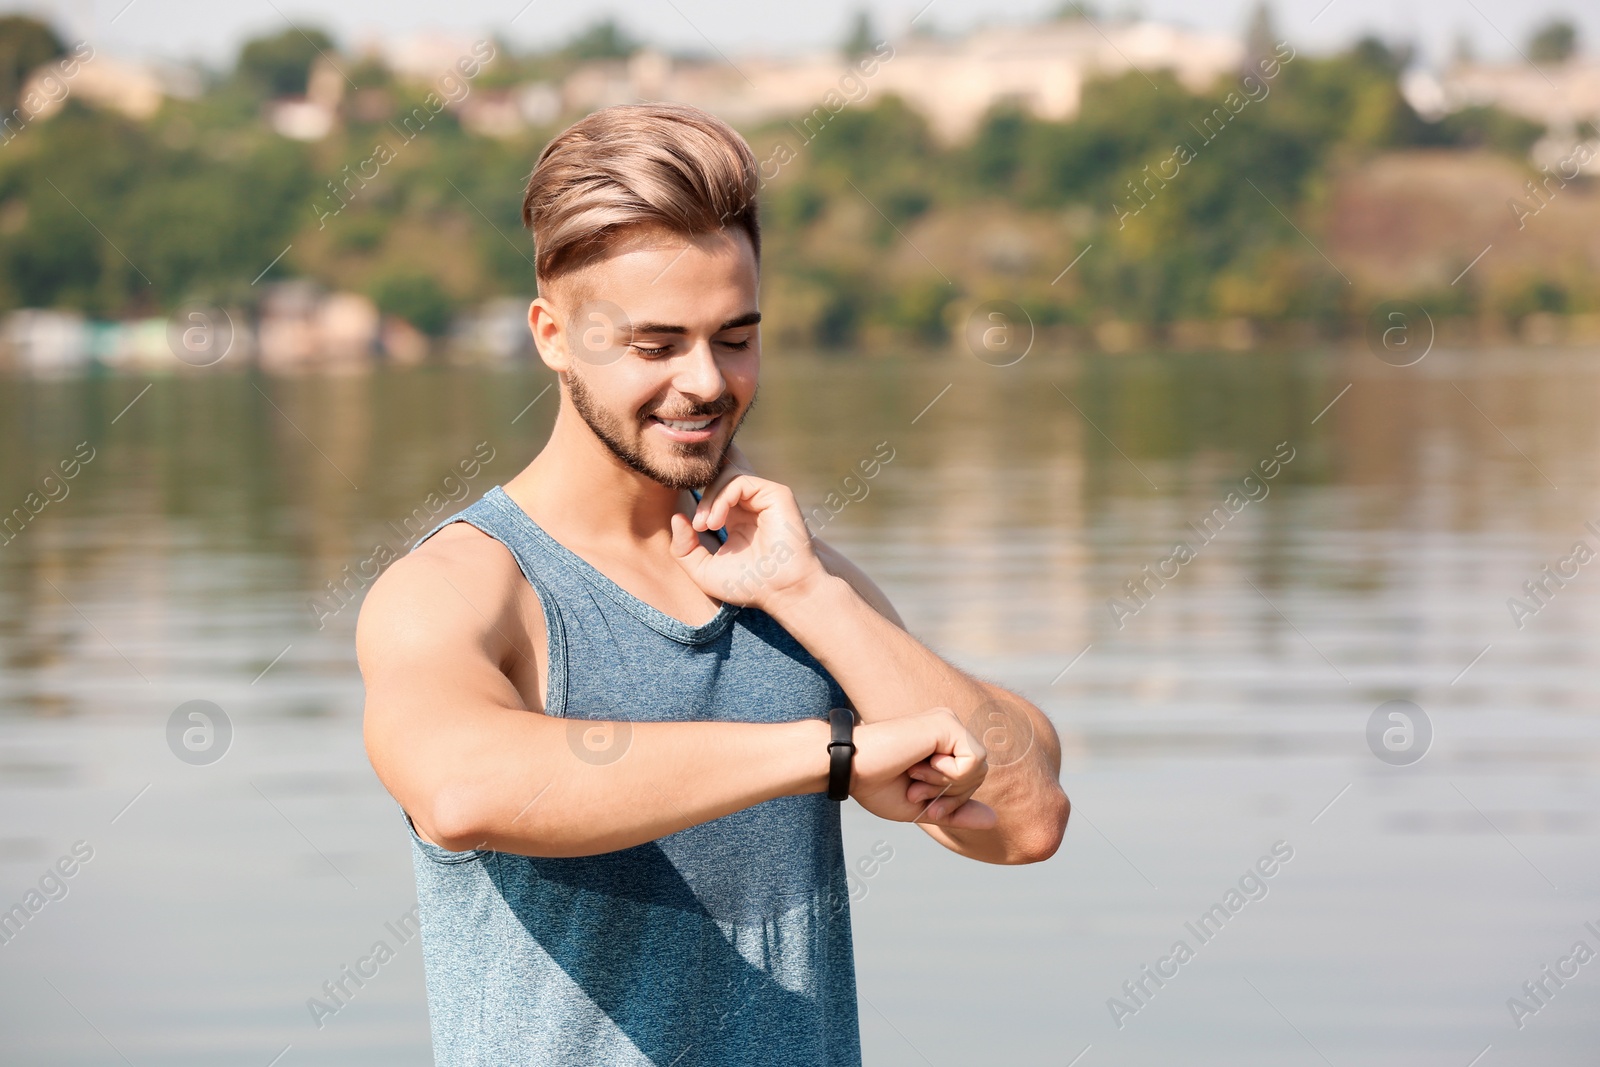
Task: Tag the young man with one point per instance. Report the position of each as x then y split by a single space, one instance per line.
608 732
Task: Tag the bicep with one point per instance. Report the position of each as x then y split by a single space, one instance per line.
438 703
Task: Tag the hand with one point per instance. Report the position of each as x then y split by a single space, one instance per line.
768 554
921 768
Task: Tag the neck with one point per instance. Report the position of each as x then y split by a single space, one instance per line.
576 486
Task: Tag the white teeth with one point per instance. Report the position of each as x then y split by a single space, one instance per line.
679 425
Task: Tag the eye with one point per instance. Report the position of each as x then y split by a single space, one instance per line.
647 350
738 346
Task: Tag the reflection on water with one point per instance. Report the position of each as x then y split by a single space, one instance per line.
1212 701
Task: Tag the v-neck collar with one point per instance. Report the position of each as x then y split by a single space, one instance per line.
649 614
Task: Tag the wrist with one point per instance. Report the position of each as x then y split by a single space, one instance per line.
806 593
808 746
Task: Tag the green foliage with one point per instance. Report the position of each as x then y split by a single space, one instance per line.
1554 42
1485 127
872 227
280 65
119 221
1535 295
793 206
860 40
1074 9
603 40
417 298
1261 34
917 310
25 43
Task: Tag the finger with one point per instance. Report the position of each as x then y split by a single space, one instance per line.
931 798
964 773
923 772
714 507
955 738
970 815
734 464
740 489
691 554
712 491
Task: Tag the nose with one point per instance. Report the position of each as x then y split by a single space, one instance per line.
697 373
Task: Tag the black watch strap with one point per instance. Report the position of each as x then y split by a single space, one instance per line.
841 751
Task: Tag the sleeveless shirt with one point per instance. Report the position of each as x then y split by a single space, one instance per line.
727 943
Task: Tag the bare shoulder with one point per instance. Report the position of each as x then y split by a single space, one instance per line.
461 589
841 567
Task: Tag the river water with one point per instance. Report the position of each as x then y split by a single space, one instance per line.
1426 858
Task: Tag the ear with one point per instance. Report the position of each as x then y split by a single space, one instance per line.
549 335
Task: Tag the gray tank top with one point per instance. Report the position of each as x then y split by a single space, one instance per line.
725 943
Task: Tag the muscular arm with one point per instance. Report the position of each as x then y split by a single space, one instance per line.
475 767
840 615
850 626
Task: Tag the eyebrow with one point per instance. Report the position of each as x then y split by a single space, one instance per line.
749 318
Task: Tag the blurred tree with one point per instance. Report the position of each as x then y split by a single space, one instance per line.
1074 9
1486 127
602 40
1554 42
25 43
997 151
1260 36
1378 55
280 65
917 310
168 221
202 198
860 40
416 297
838 321
794 205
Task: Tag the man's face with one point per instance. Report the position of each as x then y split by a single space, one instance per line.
665 350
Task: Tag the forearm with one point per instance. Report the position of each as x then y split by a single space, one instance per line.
541 793
887 672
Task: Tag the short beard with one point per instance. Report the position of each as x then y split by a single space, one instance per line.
699 467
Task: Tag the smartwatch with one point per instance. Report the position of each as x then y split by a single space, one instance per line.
841 752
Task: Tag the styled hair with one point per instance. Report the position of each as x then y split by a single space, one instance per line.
668 164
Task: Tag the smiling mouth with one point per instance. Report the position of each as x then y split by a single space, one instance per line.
686 424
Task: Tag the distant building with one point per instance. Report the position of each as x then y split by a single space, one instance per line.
1040 68
422 57
1043 68
133 90
1560 96
497 330
493 113
1564 98
98 80
302 327
45 342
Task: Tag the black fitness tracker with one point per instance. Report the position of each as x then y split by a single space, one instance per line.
841 752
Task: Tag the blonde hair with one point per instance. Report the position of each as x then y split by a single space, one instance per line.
671 165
